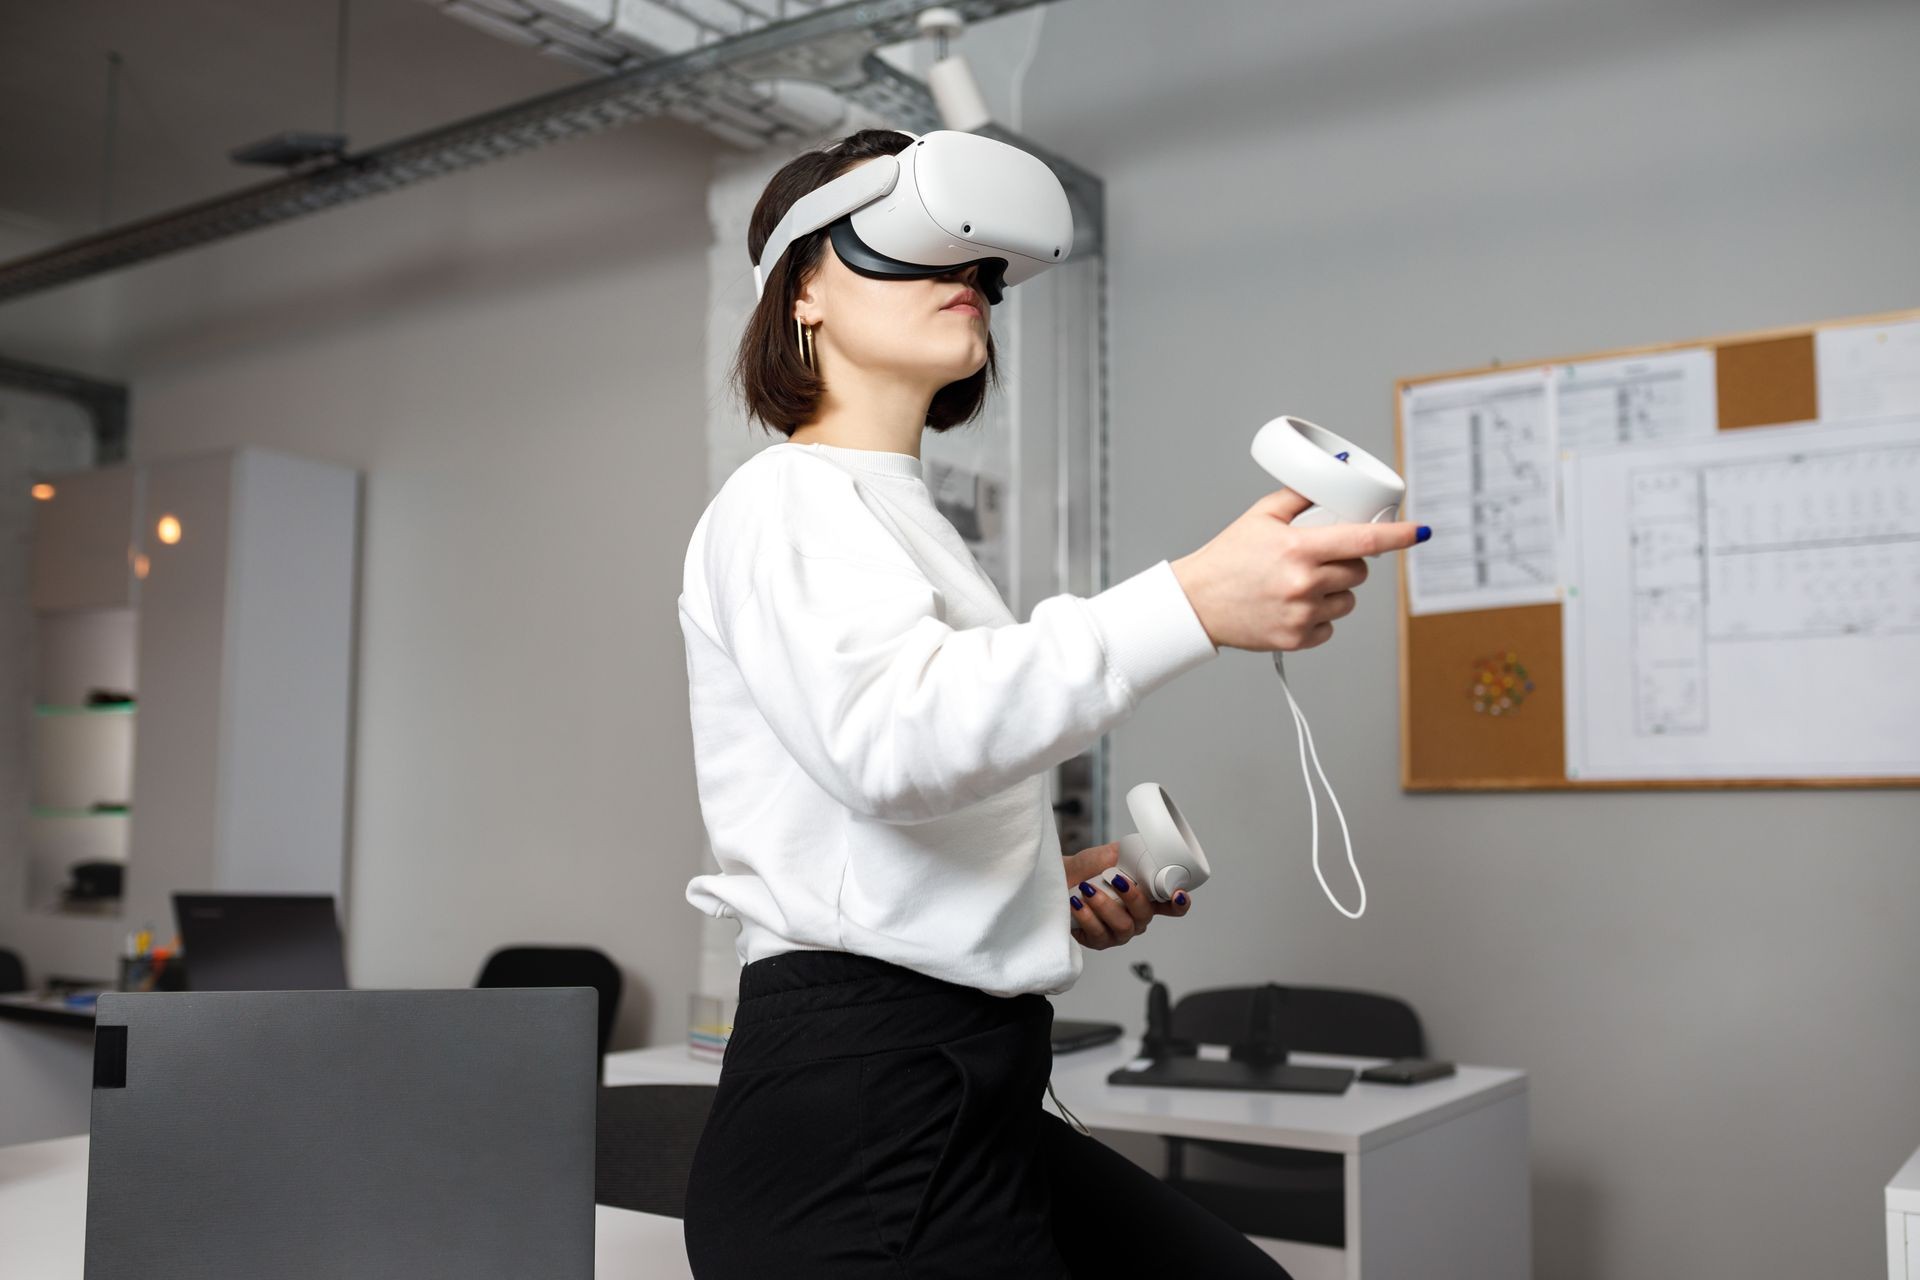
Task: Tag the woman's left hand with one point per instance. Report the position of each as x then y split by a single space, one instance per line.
1102 920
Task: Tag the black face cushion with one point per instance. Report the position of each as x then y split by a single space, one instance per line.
861 257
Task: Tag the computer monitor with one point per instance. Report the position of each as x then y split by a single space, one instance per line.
260 942
371 1134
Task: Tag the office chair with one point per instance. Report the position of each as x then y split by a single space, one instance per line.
644 1141
1286 1194
13 974
560 967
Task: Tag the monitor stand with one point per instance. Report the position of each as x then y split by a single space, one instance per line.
1257 1062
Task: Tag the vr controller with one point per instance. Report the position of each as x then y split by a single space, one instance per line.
1164 856
1347 485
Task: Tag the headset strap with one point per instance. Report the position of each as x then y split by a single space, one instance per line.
852 190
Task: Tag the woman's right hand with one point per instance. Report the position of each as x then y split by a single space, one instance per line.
1263 585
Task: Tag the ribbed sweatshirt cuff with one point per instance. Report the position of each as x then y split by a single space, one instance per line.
1151 632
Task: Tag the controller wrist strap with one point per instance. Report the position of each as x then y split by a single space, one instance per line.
1305 735
1065 1114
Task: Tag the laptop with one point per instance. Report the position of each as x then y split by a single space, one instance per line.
260 942
378 1135
1070 1034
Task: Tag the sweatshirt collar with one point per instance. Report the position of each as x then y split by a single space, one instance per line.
893 464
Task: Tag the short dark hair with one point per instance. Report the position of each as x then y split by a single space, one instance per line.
775 383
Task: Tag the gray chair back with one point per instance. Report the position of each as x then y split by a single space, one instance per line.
1311 1020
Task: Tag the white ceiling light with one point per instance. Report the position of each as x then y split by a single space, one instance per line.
950 78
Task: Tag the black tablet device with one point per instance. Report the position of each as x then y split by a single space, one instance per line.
1407 1071
1069 1035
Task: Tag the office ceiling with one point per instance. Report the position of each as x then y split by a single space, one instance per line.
200 77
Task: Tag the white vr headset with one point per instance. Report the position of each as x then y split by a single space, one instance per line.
949 200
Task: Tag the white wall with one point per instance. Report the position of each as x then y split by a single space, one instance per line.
512 356
1714 992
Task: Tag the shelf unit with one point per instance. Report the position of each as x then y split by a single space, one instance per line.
85 592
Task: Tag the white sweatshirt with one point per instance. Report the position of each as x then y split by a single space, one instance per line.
873 730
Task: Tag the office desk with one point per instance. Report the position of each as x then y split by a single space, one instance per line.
31 1006
43 1222
46 1068
1436 1173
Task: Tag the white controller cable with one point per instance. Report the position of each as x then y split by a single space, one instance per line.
1305 735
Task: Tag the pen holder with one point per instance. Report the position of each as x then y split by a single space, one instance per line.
151 973
709 1024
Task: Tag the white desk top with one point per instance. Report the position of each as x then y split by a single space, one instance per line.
662 1064
43 1222
1903 1193
1364 1117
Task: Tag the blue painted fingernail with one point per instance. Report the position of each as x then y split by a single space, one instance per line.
1341 456
1179 899
1422 534
1086 888
1120 883
1075 901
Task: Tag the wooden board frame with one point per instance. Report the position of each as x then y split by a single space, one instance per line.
1765 377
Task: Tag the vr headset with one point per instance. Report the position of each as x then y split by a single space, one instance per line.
949 200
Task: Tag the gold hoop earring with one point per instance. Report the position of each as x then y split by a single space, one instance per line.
804 333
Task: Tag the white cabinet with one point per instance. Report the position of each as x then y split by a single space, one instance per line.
245 650
1903 1222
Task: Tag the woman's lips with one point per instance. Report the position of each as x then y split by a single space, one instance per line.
965 307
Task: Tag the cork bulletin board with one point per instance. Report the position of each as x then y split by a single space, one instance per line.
1484 690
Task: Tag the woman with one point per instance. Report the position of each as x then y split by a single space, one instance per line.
872 734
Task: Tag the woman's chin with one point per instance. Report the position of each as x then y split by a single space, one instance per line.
946 357
957 370
973 360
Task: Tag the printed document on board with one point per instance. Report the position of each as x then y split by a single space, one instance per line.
1745 606
1480 471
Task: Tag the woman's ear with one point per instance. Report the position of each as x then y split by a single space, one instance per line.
806 302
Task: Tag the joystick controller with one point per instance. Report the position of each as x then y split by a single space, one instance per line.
1164 856
1347 485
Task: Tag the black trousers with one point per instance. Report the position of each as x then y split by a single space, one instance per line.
875 1122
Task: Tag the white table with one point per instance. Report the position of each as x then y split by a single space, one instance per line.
1436 1173
43 1222
1903 1222
46 1069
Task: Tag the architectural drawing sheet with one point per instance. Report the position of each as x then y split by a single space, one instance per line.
1868 371
1747 606
1481 464
1479 454
1603 404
